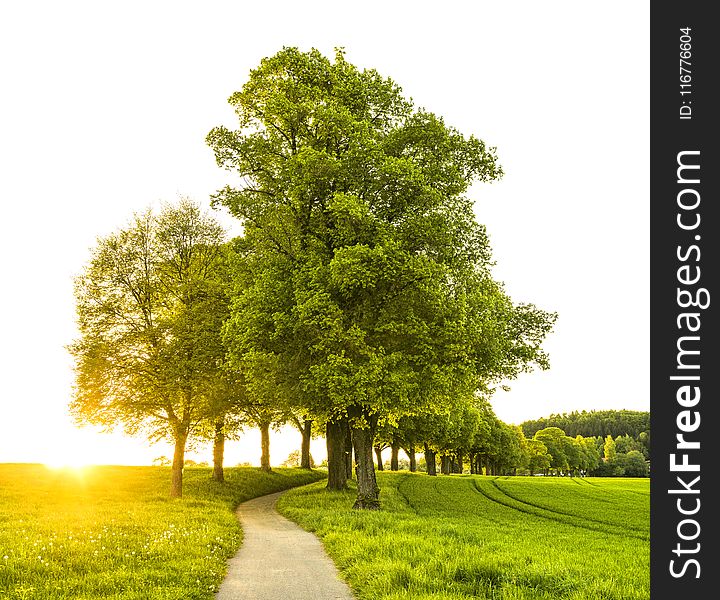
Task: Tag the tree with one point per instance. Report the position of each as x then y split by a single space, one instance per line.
634 464
589 455
512 454
419 430
554 440
625 443
538 457
573 454
149 352
226 419
644 441
371 278
378 448
609 451
226 393
294 460
305 426
410 432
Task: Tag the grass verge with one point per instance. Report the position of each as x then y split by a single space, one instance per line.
442 538
113 532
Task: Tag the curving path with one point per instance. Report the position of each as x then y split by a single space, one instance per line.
278 560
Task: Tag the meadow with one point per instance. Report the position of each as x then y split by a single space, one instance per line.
509 538
113 532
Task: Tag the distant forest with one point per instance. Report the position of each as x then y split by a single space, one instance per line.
596 423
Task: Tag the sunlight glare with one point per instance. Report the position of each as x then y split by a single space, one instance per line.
68 459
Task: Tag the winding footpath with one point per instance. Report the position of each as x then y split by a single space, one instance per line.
278 560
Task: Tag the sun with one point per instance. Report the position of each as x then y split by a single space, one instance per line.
68 458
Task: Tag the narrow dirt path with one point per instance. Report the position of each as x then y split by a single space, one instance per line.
278 560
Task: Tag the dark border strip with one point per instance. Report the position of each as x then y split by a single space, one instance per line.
684 133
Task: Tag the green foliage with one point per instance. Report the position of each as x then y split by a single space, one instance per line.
589 455
149 313
609 450
565 454
538 457
610 436
151 304
365 277
594 423
554 440
105 532
480 537
623 464
633 464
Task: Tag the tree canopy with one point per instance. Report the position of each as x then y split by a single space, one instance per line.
150 310
594 423
366 277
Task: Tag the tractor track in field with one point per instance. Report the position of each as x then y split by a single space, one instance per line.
558 517
560 512
599 487
404 496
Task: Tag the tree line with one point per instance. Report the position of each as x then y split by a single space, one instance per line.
597 423
358 302
476 441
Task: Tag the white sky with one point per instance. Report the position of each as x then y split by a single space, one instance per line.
104 107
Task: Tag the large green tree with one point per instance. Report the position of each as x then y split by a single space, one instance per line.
369 281
554 439
149 311
538 457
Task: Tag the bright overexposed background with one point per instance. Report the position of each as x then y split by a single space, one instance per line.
104 107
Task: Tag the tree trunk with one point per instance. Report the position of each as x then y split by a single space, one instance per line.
411 456
368 491
219 450
471 460
378 455
459 457
176 488
348 450
430 461
265 447
305 462
335 440
445 464
395 449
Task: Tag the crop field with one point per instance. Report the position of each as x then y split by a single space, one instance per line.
460 537
113 532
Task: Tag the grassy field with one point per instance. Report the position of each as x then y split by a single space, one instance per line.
113 532
460 537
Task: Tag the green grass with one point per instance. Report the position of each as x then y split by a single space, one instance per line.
113 532
460 537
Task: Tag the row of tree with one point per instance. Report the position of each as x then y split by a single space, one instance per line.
598 423
358 301
479 442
